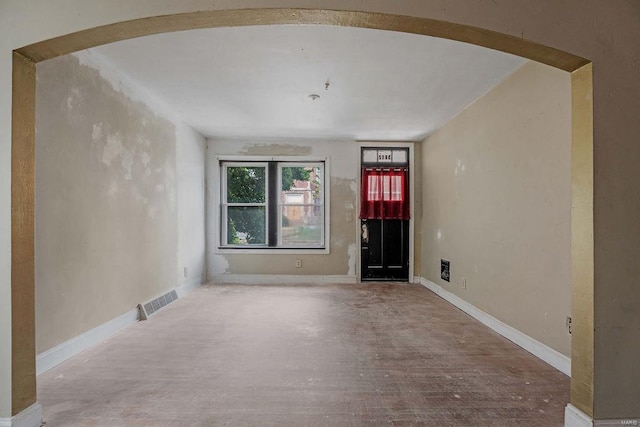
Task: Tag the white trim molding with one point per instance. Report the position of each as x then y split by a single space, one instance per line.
30 417
282 279
538 349
215 194
574 417
412 197
62 352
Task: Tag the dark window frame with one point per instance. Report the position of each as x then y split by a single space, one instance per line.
272 205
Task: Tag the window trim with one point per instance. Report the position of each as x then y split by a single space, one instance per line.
280 205
217 205
410 146
224 204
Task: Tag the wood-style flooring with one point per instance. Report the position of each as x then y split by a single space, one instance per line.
330 355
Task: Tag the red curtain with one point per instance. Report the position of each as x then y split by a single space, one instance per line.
384 194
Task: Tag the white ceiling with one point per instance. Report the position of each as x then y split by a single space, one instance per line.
254 82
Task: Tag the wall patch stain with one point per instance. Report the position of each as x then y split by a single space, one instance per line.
151 211
99 206
277 150
113 188
353 257
169 183
98 132
112 148
143 140
138 196
219 265
145 158
127 163
74 99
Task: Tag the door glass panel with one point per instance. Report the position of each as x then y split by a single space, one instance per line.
370 156
393 242
399 156
375 242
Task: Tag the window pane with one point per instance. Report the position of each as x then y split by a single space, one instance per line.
294 198
370 155
246 184
246 225
294 177
301 184
399 156
301 225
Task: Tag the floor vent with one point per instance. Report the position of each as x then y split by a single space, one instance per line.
147 309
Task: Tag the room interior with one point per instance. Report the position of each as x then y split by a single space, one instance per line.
141 143
117 154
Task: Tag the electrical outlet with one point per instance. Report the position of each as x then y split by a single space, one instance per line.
568 324
464 283
186 272
298 263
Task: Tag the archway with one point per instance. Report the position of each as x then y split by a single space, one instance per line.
23 159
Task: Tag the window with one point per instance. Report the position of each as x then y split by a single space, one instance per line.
245 204
385 183
272 204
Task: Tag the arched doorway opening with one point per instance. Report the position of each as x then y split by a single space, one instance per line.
23 160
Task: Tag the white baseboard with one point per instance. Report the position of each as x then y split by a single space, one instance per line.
538 349
30 417
58 354
284 279
574 417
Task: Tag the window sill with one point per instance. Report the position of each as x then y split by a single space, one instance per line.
280 251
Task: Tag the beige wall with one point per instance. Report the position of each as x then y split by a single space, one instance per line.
496 187
106 200
343 164
190 181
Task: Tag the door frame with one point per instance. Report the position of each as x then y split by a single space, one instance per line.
412 200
